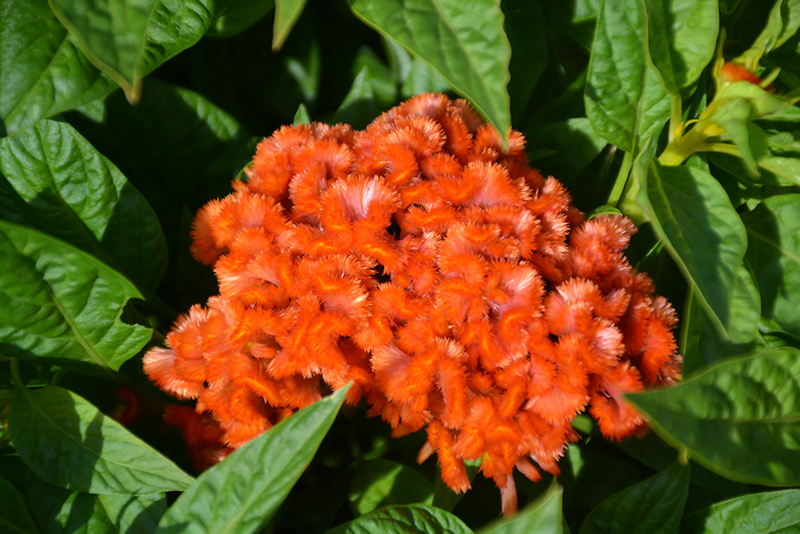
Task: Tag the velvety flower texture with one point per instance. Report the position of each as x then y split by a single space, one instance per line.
456 287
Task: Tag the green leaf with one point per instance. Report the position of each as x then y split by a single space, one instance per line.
693 215
242 493
60 303
239 15
301 116
412 519
574 143
14 516
650 507
774 253
379 483
527 34
462 39
422 78
42 70
542 516
734 118
69 512
128 39
359 107
379 75
53 180
68 442
286 14
681 37
759 513
625 100
782 24
739 418
700 343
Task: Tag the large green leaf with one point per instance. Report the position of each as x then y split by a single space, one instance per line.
782 24
740 418
128 39
412 519
624 97
701 344
60 303
53 180
681 36
242 493
42 70
68 442
14 516
693 215
286 14
650 507
379 483
774 253
542 516
462 39
759 513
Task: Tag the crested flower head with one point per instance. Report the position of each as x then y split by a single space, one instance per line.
457 288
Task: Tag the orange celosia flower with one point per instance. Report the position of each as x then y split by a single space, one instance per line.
458 289
731 72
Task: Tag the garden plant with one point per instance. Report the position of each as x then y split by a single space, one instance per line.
416 266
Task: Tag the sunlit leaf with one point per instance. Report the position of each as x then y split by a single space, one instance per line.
739 419
650 507
412 519
53 180
759 513
242 493
128 39
60 303
42 70
69 443
462 39
625 100
774 253
681 36
379 483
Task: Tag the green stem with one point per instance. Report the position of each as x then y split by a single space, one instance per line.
675 117
681 148
622 180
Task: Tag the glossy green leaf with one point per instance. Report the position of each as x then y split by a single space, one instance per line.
773 231
412 519
527 34
239 15
700 343
53 180
42 70
128 39
693 215
286 14
462 39
379 483
68 442
625 100
681 36
739 419
242 493
14 516
60 303
759 513
651 507
542 516
422 78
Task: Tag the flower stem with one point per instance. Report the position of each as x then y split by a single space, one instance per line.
622 179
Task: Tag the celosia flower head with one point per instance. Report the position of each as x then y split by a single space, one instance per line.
456 287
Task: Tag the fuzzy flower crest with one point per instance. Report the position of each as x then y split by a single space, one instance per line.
456 287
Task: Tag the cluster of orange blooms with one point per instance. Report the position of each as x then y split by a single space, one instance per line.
426 263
